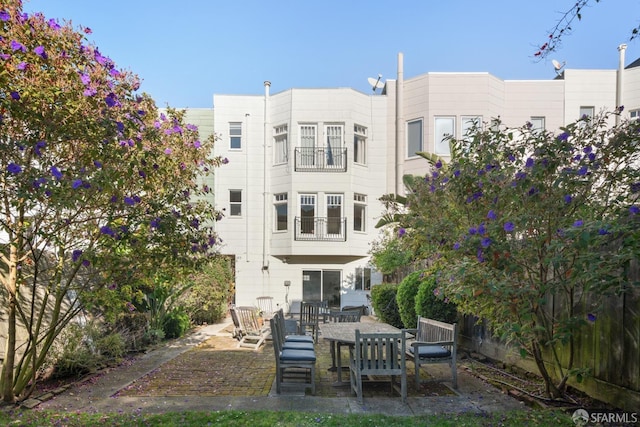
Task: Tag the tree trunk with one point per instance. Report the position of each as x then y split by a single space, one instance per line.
550 388
6 380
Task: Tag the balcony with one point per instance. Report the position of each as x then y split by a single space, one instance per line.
320 229
322 159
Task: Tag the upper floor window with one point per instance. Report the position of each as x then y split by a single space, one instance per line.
469 126
444 130
537 124
280 145
414 137
359 211
235 202
360 144
281 211
634 114
235 135
587 112
334 145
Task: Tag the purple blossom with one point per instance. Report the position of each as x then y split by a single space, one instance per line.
583 171
591 317
197 144
142 174
168 151
438 164
14 168
480 255
563 136
155 223
4 15
97 164
634 210
568 198
456 173
192 127
56 172
520 175
77 183
402 232
578 223
482 229
110 99
511 158
473 230
587 149
456 245
113 286
529 163
39 50
509 226
22 66
225 161
603 231
15 95
76 255
635 187
16 45
492 215
486 242
86 263
129 201
105 229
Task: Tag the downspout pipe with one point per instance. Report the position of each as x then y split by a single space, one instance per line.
265 185
620 79
399 188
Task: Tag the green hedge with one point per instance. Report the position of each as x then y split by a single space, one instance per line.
383 299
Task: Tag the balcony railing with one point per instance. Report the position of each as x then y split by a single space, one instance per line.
321 229
323 159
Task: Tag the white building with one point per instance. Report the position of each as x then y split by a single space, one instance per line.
307 166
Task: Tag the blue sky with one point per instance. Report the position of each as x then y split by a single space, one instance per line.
185 51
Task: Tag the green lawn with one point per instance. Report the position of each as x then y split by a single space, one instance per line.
269 418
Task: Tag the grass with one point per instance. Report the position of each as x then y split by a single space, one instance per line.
271 418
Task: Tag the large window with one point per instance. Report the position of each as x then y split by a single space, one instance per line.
235 135
414 137
360 144
444 130
334 214
359 211
307 213
634 114
280 145
308 145
322 285
363 279
235 202
281 210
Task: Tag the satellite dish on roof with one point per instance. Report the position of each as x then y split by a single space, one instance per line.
557 65
376 83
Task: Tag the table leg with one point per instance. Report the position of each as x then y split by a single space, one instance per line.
332 347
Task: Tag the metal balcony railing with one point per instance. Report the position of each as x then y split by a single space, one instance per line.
321 229
323 159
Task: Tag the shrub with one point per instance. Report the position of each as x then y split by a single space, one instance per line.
206 301
176 323
153 336
111 346
406 297
431 303
383 298
76 356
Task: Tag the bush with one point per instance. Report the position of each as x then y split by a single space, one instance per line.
76 357
431 303
406 297
111 346
176 323
207 300
383 298
153 336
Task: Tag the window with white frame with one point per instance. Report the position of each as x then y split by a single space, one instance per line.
280 144
444 130
634 114
235 135
235 202
359 211
360 144
334 144
363 279
280 204
334 214
308 134
307 213
587 111
414 137
537 124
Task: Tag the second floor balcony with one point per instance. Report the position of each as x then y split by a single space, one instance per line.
320 159
327 229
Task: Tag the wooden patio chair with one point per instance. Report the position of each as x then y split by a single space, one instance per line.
298 342
340 316
253 334
290 363
310 317
237 329
265 305
378 354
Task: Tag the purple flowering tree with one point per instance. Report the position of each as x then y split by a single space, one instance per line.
99 188
535 230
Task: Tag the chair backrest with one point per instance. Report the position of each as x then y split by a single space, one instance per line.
265 304
276 335
248 319
380 353
339 316
279 332
430 330
234 317
310 312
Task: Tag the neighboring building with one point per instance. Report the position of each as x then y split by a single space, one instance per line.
307 166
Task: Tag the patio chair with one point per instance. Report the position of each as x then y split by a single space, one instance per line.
378 354
310 317
253 334
433 342
265 304
340 316
237 329
289 327
290 363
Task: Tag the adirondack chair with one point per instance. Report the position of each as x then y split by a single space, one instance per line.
378 354
237 329
253 334
265 304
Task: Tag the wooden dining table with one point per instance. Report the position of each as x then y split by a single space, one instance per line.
345 334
